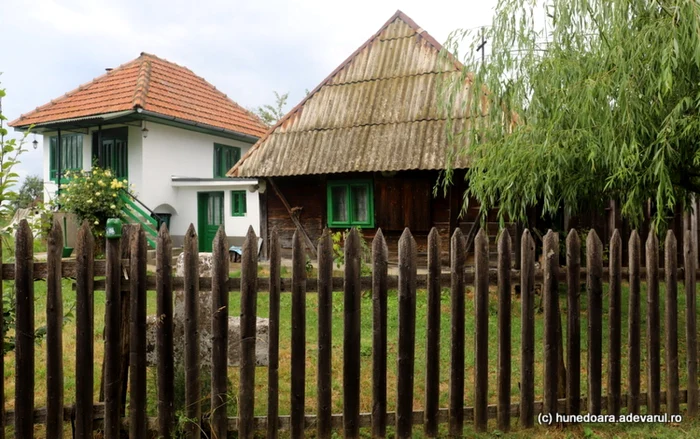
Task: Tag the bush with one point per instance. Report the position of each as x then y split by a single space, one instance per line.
93 196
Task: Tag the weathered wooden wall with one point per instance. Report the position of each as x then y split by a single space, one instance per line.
402 200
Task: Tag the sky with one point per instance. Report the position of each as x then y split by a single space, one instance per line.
247 49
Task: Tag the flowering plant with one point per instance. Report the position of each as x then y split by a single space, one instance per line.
93 196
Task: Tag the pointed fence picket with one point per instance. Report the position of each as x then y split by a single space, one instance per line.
622 394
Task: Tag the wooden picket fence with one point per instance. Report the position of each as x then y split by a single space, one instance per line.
108 416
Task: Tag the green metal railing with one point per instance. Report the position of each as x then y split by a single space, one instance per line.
135 212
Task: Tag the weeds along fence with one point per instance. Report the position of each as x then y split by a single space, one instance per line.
561 387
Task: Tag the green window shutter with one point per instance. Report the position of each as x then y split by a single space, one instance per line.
238 203
350 203
225 157
71 155
53 163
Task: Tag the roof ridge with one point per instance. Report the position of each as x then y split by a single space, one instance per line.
208 84
68 94
143 81
397 15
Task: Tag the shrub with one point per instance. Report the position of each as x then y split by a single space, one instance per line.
93 196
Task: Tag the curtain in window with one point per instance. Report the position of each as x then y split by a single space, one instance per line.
360 203
339 197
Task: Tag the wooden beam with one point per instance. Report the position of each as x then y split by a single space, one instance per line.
309 243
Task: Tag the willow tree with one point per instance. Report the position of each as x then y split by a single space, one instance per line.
580 102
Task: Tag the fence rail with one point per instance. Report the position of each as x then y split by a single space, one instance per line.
561 389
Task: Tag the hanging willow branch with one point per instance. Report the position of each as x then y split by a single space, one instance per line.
608 110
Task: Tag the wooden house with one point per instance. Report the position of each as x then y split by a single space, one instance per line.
365 148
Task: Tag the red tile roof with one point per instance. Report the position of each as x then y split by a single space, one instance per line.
154 85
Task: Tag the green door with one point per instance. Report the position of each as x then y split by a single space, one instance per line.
210 215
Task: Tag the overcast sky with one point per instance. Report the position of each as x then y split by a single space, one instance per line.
246 49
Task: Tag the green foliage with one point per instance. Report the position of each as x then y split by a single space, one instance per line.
581 101
10 151
30 193
338 239
270 114
94 197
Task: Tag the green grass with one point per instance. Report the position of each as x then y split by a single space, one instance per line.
689 428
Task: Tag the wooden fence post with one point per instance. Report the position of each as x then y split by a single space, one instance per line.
481 308
457 308
298 335
504 342
274 334
24 331
550 298
407 335
325 340
128 231
137 364
671 323
351 337
84 350
653 326
193 408
249 300
219 332
527 330
164 333
634 323
573 328
112 361
690 262
54 334
594 287
432 353
380 256
615 325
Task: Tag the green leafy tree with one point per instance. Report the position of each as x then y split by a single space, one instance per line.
270 114
31 192
579 102
10 151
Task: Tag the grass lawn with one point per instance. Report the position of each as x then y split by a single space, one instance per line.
688 428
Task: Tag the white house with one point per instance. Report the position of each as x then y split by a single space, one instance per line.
169 132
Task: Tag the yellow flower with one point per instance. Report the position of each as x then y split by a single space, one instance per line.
98 194
114 195
112 206
108 173
96 222
89 201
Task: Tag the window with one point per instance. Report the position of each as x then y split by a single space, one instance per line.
71 154
350 203
110 150
224 158
238 207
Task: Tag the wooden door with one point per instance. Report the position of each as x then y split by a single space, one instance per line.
210 215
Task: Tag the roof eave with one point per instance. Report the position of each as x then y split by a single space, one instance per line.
236 135
61 123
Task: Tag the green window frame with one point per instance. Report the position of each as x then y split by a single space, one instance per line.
71 155
350 203
225 157
238 203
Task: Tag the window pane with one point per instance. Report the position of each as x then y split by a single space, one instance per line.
339 208
360 203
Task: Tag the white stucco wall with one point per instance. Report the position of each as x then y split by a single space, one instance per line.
166 152
234 225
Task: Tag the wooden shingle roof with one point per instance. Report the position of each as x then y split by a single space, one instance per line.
378 111
152 84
